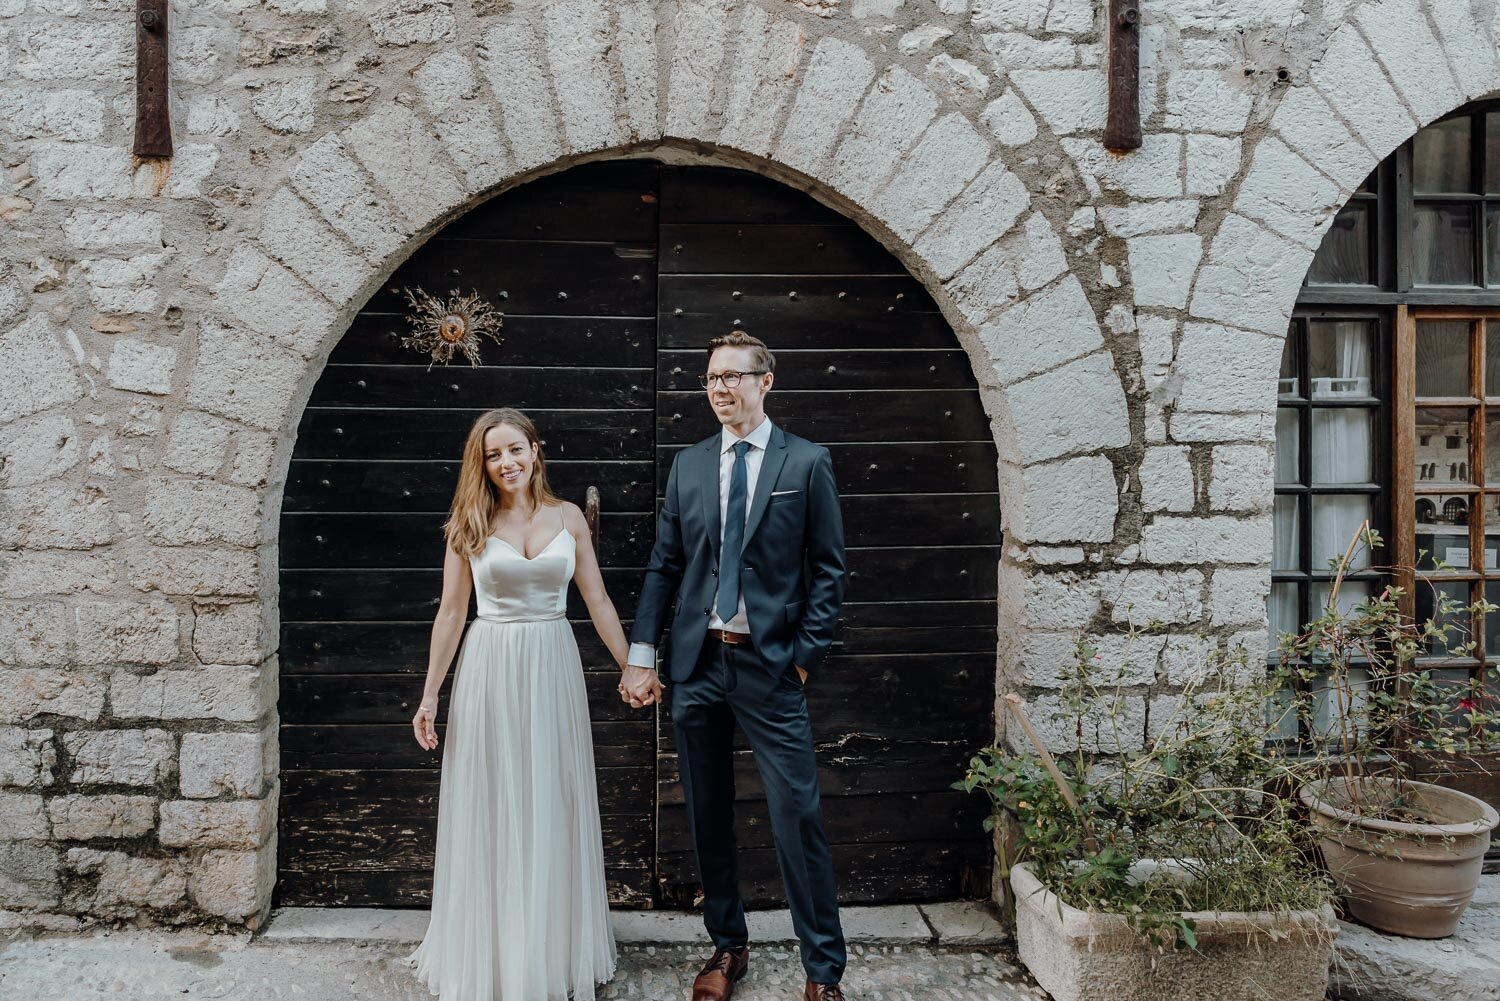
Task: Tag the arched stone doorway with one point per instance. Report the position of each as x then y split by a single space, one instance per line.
612 276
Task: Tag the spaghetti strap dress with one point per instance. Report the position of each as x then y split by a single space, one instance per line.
520 911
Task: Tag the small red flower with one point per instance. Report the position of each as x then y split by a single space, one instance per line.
1467 705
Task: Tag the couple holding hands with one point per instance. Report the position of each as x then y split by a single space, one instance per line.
747 573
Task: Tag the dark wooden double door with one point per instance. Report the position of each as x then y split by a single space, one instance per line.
612 277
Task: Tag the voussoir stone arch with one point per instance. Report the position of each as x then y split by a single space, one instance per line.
1391 68
736 83
567 82
562 83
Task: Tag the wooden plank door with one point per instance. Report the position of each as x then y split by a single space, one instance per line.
867 366
571 262
612 276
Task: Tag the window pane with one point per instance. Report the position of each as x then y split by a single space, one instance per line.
1490 474
1428 596
1339 357
1286 533
1339 709
1281 717
1335 520
1342 445
1286 384
1492 621
1352 594
1492 151
1442 250
1440 157
1343 257
1492 531
1492 244
1442 541
1449 685
1282 611
1442 357
1288 445
1442 450
1490 698
1492 359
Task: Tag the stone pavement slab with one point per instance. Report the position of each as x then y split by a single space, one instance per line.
148 965
963 922
1372 966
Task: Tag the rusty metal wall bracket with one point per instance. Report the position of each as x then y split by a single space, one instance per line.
1122 127
153 121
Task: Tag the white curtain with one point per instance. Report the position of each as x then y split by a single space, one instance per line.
1284 534
1341 444
1333 705
1335 519
1288 444
1282 611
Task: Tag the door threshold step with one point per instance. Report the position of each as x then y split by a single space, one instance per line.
952 923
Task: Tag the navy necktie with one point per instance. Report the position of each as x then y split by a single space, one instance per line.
728 602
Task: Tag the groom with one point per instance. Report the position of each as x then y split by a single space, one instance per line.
750 544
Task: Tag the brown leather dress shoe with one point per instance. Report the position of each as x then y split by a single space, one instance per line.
823 992
720 974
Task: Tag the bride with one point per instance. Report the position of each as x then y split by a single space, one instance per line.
519 907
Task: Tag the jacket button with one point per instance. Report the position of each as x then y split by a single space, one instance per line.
714 571
707 612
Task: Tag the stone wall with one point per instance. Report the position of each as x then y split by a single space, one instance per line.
162 324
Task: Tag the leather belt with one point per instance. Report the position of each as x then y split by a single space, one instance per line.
725 636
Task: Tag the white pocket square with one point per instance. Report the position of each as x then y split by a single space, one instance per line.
783 493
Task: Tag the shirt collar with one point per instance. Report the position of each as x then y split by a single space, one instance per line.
759 438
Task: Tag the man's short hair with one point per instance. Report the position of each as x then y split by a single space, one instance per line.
760 355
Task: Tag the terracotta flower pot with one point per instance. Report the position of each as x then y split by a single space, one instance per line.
1413 879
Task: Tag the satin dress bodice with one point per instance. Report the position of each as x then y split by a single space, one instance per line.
508 587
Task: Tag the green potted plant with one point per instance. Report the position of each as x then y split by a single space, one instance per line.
1405 854
1150 860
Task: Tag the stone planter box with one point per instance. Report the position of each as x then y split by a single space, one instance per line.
1241 956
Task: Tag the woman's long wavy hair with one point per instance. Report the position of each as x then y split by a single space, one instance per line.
476 497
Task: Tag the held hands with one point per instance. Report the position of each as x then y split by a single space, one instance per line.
639 687
422 725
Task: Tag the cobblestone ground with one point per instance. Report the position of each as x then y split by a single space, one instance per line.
130 965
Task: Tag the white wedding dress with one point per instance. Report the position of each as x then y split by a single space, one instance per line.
519 906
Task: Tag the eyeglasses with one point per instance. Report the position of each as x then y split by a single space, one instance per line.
730 379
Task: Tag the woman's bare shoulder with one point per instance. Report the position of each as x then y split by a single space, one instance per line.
572 515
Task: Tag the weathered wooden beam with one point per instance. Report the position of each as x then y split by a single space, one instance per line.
1122 127
153 122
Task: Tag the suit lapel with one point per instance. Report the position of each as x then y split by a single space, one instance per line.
710 491
770 468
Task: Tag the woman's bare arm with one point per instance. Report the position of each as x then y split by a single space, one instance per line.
447 627
602 610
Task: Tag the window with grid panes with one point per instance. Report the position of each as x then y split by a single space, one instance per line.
1449 490
1389 397
1330 462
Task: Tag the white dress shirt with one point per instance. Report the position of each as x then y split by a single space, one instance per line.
644 654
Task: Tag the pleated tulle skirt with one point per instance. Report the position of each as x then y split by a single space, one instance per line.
519 906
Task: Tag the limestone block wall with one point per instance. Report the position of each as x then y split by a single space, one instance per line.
161 324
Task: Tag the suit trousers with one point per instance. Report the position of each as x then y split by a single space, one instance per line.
731 684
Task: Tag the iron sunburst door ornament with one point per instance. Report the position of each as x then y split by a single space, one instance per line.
443 327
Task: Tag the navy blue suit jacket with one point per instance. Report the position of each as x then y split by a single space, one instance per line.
791 570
